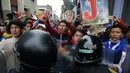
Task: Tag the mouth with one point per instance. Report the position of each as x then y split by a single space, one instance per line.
61 30
114 38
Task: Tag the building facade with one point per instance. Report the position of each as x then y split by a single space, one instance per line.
9 6
49 11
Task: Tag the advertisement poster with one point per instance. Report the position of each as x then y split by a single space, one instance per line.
95 11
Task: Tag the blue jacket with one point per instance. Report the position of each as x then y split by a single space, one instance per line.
114 57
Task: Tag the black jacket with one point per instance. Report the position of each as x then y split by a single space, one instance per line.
14 71
90 68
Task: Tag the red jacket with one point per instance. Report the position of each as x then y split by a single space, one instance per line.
63 38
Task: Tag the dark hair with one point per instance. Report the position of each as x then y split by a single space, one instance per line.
117 26
129 28
116 23
17 22
27 19
64 21
10 16
77 22
79 30
29 22
41 22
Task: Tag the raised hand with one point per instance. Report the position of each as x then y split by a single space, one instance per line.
22 15
114 68
69 16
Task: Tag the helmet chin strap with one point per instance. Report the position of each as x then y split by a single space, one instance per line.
42 70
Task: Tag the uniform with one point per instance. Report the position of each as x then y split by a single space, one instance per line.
90 68
6 46
36 57
14 71
89 56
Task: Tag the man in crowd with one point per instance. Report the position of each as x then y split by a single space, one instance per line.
7 44
115 49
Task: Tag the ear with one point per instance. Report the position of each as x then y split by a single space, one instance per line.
22 30
110 34
122 35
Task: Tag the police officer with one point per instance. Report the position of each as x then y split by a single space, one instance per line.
89 56
6 45
37 52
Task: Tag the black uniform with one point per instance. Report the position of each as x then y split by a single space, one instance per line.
37 52
89 56
14 71
90 68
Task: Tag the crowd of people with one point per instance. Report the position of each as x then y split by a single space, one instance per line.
35 45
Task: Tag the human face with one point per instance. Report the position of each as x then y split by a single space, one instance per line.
62 27
40 14
116 34
15 30
77 36
28 27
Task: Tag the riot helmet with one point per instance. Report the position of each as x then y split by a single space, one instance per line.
89 50
36 51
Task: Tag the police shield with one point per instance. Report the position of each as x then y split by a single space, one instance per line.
2 63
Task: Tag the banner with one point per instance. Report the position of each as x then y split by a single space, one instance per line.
95 11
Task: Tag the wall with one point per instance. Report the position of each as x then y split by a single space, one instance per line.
118 8
126 12
14 2
6 6
20 5
30 5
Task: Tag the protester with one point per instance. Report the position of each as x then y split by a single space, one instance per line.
62 34
115 49
42 42
7 44
28 26
105 36
68 52
41 25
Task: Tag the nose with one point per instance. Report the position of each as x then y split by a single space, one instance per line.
78 38
61 27
115 34
29 27
14 29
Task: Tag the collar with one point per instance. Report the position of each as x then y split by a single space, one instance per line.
117 43
62 33
114 41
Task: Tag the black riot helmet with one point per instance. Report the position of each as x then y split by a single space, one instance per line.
36 51
89 50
